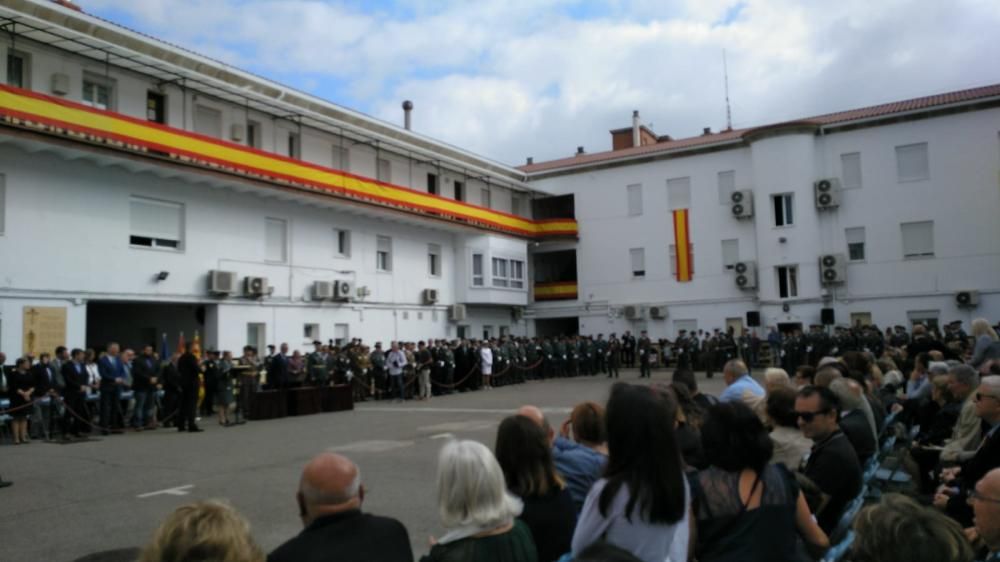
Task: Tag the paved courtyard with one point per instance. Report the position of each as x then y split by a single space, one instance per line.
110 493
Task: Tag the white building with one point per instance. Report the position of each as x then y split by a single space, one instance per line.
911 225
147 190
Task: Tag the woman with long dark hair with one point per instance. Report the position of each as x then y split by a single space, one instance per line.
525 457
642 502
746 507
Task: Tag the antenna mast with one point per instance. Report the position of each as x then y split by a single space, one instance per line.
725 74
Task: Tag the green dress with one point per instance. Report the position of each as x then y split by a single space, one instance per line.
516 545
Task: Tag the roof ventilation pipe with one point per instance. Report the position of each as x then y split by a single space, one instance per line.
635 128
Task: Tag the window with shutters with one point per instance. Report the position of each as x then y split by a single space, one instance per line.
516 274
156 224
434 260
850 170
383 253
477 270
275 240
727 185
18 69
679 193
634 199
788 281
501 275
98 91
918 239
637 257
208 121
855 243
911 162
730 253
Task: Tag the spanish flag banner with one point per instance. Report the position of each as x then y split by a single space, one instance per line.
682 245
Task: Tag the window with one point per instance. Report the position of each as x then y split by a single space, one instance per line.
928 318
634 200
155 224
788 282
477 270
637 256
679 193
3 201
727 185
432 184
342 239
782 209
97 92
384 170
310 332
855 243
516 274
850 170
208 121
485 199
294 145
500 274
515 205
276 240
918 239
156 107
383 253
434 260
257 335
487 332
911 162
340 334
459 191
730 253
673 259
253 134
342 158
17 69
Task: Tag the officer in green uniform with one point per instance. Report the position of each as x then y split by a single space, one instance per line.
614 356
316 368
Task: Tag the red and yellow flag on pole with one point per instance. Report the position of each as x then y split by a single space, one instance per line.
682 246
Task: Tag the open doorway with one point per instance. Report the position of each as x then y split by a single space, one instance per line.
789 327
551 327
135 324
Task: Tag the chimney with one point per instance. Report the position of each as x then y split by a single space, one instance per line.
706 131
407 108
579 151
530 160
635 128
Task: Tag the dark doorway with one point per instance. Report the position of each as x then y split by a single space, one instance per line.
789 327
135 324
551 327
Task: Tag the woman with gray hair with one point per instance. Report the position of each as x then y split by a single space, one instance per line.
477 510
987 344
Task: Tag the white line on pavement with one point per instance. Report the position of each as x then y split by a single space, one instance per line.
442 436
178 491
459 410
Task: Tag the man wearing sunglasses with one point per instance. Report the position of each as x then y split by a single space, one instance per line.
958 481
832 463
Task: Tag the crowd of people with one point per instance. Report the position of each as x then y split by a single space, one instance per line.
772 471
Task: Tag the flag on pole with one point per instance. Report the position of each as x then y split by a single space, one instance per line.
164 348
181 344
196 345
682 246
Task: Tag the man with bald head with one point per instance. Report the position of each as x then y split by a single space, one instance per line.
330 497
985 502
739 382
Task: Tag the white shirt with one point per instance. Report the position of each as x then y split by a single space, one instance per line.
486 356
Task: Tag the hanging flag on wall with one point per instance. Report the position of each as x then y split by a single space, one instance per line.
682 245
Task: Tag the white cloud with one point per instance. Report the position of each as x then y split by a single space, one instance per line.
535 77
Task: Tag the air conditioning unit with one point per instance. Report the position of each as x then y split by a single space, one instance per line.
430 296
658 312
343 290
832 269
456 312
967 299
742 203
222 282
236 132
633 312
60 84
256 286
746 274
323 290
827 193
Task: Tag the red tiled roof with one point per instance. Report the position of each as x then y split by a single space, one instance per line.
874 111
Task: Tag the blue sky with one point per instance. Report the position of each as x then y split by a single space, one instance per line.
538 78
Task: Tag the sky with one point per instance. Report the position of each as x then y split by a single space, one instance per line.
508 79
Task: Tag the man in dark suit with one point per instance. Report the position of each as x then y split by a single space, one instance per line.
74 374
277 369
952 495
144 380
189 369
330 497
112 372
45 387
853 421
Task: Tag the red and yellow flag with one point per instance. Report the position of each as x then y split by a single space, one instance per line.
682 245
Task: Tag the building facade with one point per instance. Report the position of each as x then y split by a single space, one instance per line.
884 215
146 190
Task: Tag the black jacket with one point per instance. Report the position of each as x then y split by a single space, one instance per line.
143 370
855 426
987 458
74 380
833 466
188 368
350 536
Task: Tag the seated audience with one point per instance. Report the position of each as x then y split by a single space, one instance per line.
580 458
985 502
852 422
987 346
833 464
804 375
790 445
939 417
898 529
918 385
688 423
207 531
957 481
642 503
967 435
523 451
687 378
329 498
478 511
746 507
738 382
